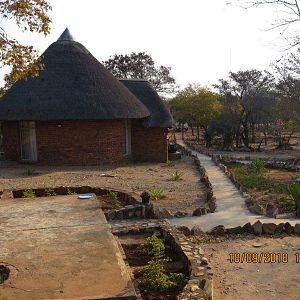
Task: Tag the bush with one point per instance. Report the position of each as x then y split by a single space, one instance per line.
29 194
113 199
258 165
154 277
156 193
30 171
153 246
170 163
295 191
70 192
176 176
50 192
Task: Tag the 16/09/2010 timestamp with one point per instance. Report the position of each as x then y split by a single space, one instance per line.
263 257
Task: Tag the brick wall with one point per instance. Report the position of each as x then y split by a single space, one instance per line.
148 144
87 142
11 140
80 142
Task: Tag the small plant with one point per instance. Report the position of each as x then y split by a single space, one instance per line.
30 171
170 163
50 192
113 199
153 246
29 193
70 192
258 165
156 193
176 176
154 277
295 191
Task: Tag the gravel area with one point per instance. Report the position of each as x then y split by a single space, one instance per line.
183 195
265 280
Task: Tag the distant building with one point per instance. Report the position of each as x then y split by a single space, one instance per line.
77 112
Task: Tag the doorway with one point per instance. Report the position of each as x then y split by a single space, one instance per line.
28 141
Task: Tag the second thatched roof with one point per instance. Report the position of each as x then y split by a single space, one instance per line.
159 113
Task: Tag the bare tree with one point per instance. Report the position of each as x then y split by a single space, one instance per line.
287 17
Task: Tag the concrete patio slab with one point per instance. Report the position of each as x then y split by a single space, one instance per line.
60 248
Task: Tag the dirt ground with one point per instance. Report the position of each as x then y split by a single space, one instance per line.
259 281
184 195
268 151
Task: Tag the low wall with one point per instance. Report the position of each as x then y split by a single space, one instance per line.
200 283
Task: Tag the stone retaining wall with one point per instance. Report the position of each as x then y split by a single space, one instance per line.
200 283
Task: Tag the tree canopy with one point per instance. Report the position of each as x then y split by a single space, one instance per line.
29 15
142 66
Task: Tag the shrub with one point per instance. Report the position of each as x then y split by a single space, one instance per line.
170 163
258 165
176 176
153 246
295 191
70 192
113 199
154 276
50 192
29 193
30 171
156 193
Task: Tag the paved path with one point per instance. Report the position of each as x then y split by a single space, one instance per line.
231 208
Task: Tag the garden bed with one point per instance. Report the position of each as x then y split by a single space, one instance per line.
265 185
138 259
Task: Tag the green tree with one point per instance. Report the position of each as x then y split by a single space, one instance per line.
142 66
29 15
198 106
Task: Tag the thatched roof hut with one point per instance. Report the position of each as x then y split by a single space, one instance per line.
77 112
73 86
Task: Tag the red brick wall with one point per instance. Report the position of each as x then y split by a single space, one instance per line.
80 142
148 144
11 140
87 142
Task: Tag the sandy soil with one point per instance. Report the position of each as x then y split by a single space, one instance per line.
259 281
268 151
282 175
183 195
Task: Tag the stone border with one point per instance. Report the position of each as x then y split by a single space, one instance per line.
130 212
210 198
200 283
133 209
271 162
258 228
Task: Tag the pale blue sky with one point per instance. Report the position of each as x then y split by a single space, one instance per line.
202 40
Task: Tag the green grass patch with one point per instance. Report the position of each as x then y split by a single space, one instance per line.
252 178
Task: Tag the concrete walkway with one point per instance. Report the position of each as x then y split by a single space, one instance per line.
231 208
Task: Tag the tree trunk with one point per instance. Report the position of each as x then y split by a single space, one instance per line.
198 134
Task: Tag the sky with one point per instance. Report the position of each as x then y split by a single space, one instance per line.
201 40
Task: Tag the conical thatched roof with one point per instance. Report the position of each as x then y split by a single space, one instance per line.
74 85
142 89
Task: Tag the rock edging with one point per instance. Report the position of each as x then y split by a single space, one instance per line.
200 283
